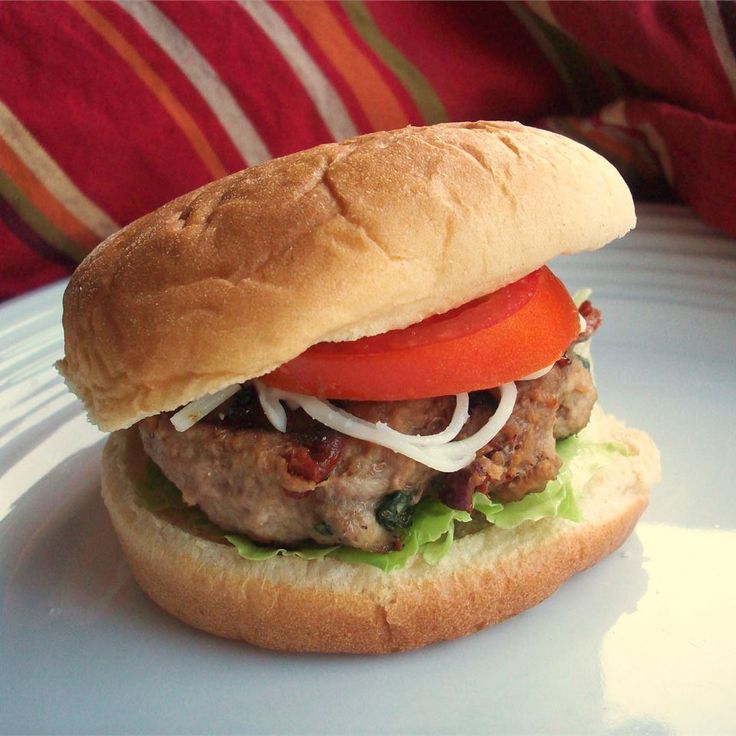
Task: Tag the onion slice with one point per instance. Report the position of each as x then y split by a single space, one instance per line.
457 422
440 454
200 408
439 451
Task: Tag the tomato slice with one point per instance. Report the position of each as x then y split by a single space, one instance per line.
498 338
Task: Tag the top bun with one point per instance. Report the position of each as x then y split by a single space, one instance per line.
334 243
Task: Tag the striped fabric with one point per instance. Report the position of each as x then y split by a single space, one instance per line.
109 109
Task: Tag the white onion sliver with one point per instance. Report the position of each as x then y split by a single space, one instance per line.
494 425
447 457
437 451
457 422
581 295
339 420
272 406
200 408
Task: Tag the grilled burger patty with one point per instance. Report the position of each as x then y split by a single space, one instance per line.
311 483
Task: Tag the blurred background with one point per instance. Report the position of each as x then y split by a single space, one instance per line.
110 109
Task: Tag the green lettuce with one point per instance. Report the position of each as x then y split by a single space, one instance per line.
249 550
432 532
157 492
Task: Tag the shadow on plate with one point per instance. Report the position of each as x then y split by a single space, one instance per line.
62 568
60 558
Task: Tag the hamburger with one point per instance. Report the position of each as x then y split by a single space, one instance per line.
351 408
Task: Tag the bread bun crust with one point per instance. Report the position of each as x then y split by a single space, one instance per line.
326 605
344 240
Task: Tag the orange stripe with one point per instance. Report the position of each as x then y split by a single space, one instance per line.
43 200
380 105
157 85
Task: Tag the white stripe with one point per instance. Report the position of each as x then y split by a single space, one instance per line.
203 76
720 40
322 93
33 155
544 11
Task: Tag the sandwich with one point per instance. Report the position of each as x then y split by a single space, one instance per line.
352 409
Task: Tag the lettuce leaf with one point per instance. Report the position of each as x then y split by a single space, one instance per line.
157 492
249 550
432 527
432 532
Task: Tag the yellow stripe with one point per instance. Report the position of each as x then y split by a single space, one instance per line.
158 87
543 9
617 114
30 152
27 182
46 230
203 76
425 98
376 98
720 40
324 96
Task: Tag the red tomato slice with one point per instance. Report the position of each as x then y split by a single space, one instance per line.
498 338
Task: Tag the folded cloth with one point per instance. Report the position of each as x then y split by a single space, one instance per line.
108 110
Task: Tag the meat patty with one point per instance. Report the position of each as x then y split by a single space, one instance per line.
249 478
311 483
577 395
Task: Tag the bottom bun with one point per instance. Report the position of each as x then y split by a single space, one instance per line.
326 605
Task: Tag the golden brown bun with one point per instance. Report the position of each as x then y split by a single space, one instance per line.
334 243
331 606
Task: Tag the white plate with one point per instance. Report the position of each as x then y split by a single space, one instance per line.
643 643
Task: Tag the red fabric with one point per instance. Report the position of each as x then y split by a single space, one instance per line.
86 108
665 46
695 144
108 111
478 58
28 261
276 108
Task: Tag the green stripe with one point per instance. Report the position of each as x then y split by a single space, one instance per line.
565 55
37 221
425 98
615 80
